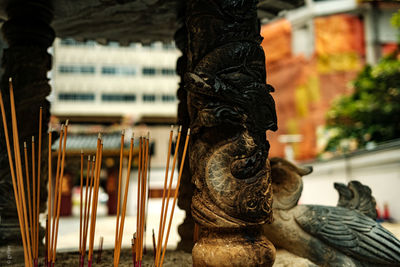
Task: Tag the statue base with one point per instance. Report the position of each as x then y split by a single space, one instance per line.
239 248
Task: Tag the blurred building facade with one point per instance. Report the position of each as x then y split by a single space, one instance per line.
312 55
110 80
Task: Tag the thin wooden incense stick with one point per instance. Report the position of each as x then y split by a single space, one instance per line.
121 152
83 240
143 205
31 226
161 234
121 230
175 196
95 199
13 178
38 188
33 186
19 170
59 193
141 192
138 198
89 204
80 205
48 222
164 191
154 244
55 194
100 250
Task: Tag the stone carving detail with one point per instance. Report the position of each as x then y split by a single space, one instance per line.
26 60
230 109
327 236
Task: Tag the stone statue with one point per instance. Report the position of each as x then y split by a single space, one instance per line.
327 236
230 109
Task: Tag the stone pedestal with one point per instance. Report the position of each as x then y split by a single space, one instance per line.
232 248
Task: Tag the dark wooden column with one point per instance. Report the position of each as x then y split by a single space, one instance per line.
28 34
230 109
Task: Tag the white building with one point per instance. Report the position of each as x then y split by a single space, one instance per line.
90 79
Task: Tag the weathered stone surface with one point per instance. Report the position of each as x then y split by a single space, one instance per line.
230 249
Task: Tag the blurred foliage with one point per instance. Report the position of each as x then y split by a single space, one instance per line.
371 114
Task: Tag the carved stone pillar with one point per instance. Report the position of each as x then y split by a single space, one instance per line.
29 35
230 109
186 189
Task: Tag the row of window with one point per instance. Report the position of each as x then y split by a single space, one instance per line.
90 97
115 70
91 43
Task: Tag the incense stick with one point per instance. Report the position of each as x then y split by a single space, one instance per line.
100 250
161 233
121 230
99 152
164 190
83 238
138 198
33 188
176 195
59 192
48 222
80 206
13 178
119 191
144 183
19 169
32 229
38 186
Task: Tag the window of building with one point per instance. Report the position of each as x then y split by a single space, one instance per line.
76 69
149 98
108 70
149 71
168 46
118 97
129 71
87 69
168 98
168 72
76 96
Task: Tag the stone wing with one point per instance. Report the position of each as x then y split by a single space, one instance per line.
352 233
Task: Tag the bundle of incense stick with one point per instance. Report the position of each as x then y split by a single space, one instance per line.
53 217
121 221
28 220
141 198
159 258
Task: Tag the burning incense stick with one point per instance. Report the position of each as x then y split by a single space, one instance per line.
154 244
175 196
138 198
117 250
161 233
82 241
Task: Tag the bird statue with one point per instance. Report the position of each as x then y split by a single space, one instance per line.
325 235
